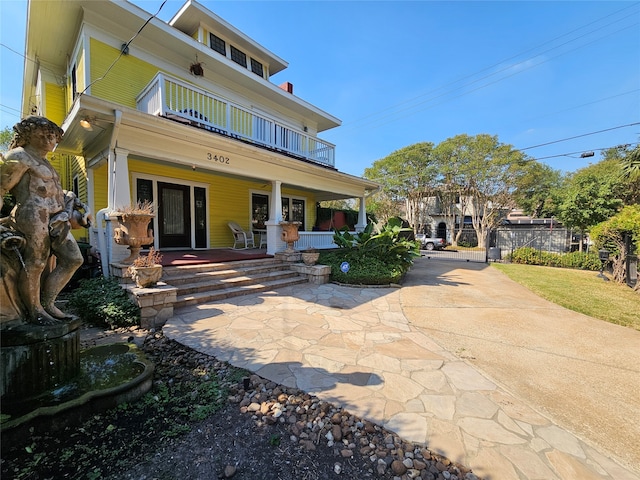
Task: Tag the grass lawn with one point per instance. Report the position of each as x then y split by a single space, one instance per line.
579 290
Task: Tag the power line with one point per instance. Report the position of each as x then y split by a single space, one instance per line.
579 136
513 57
125 48
413 107
355 125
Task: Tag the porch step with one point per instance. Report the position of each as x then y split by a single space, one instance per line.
210 282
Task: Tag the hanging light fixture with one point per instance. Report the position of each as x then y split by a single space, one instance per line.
86 124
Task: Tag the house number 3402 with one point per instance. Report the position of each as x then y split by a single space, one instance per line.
217 158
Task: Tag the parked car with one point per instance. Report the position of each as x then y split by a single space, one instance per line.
429 243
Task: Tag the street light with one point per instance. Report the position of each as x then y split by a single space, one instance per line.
603 253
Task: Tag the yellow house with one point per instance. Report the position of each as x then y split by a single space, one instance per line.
181 113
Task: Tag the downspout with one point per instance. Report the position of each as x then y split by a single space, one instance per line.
102 247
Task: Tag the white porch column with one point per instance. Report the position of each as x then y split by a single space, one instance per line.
121 195
121 189
274 240
362 215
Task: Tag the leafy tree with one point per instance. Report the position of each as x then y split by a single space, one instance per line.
408 175
591 195
620 235
5 138
536 186
631 162
481 173
382 207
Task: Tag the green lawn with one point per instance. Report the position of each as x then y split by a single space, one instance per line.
579 290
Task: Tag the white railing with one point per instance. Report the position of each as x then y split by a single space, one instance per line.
319 240
169 97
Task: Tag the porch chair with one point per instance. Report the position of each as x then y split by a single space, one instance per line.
241 237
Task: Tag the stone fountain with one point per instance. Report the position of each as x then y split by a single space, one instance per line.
40 344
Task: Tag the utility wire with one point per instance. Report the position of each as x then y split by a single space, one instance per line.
124 48
579 136
510 58
372 124
355 125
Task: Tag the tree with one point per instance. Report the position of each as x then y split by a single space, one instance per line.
408 175
627 162
591 195
481 173
621 236
6 134
536 186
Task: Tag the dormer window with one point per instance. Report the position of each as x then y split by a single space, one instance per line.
239 57
218 44
256 67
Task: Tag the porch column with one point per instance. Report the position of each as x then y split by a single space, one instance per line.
274 241
121 189
362 215
121 197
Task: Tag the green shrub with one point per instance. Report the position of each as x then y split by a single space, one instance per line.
374 259
578 260
363 270
103 302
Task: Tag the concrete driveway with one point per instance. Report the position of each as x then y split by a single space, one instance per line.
581 372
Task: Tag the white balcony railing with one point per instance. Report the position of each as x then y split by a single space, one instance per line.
172 98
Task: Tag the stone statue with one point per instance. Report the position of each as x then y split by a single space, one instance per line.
37 229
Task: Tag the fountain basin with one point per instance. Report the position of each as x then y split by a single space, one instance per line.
109 375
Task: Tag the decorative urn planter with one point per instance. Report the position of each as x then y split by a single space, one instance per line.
290 234
146 270
133 229
310 256
146 277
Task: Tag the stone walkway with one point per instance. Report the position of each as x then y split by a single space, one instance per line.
360 349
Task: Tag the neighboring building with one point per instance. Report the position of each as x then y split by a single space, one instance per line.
183 114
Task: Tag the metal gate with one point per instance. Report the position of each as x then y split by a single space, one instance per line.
467 249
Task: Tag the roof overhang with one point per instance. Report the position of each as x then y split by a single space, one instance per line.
50 43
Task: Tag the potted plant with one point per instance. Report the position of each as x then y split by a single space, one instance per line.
310 256
134 228
146 270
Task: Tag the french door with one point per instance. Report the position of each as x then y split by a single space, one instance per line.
174 215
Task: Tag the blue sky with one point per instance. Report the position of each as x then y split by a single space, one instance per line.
398 73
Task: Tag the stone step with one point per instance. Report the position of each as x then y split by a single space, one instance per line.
179 270
215 295
179 276
212 282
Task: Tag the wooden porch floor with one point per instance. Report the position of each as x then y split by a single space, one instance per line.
215 255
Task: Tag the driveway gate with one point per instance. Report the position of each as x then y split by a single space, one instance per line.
466 251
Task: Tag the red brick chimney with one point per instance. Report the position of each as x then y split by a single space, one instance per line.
287 87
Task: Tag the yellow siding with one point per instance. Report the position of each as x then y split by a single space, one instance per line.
124 81
54 107
229 199
100 195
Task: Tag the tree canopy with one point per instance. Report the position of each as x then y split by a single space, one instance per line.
462 176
